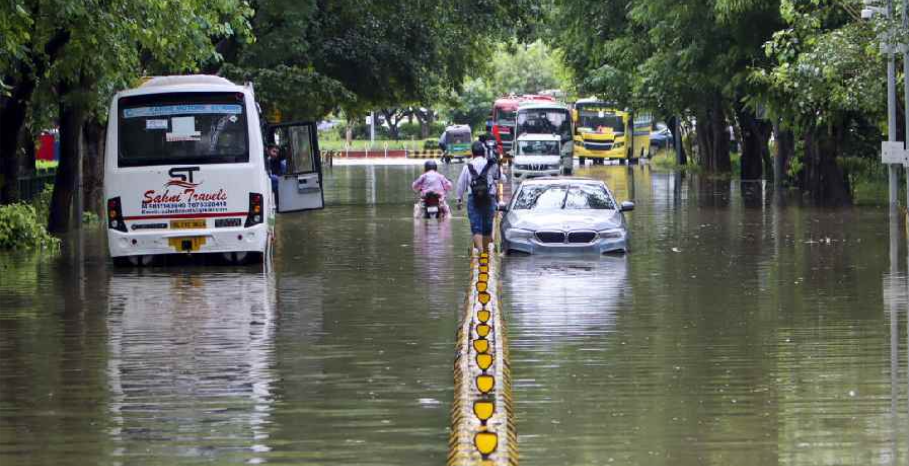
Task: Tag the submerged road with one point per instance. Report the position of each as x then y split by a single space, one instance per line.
736 332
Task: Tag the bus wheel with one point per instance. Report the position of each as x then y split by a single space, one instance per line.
582 161
135 261
121 261
234 257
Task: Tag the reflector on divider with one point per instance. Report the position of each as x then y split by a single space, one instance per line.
484 361
483 315
486 442
485 383
483 330
482 346
483 410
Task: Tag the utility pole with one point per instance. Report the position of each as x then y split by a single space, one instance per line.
372 126
891 110
906 100
893 153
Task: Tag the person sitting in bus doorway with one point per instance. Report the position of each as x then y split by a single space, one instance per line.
277 166
431 182
477 180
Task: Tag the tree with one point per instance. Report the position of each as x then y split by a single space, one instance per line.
313 57
472 104
824 85
60 55
673 58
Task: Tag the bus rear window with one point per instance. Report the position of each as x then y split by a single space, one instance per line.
181 128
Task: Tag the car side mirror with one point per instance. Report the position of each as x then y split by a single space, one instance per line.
627 206
502 207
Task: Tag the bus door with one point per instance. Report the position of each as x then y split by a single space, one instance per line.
300 186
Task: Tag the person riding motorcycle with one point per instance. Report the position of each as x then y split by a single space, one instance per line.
433 183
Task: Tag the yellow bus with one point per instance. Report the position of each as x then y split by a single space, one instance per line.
602 132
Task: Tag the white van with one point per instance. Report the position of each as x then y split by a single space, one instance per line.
185 171
538 155
537 117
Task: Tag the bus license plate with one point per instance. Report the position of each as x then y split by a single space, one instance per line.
186 243
189 224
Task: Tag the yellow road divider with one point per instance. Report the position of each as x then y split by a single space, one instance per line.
482 415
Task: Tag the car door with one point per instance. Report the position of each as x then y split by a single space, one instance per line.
300 186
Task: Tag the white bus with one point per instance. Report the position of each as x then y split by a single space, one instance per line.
548 118
185 171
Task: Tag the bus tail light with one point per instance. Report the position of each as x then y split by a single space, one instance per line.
256 210
115 215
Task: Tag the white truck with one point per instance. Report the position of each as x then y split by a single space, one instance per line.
539 155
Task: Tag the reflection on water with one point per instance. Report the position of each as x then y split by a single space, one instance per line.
546 298
743 334
189 363
736 332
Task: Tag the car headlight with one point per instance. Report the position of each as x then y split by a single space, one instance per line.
554 167
618 145
518 234
614 233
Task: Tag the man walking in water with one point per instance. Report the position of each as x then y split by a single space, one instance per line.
477 180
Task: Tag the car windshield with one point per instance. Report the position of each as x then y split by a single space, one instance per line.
558 197
595 119
505 117
458 136
178 128
538 147
545 121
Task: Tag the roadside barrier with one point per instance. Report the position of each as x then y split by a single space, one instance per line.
424 154
482 414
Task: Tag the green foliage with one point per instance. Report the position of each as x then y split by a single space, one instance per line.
313 57
46 165
472 104
412 130
514 69
90 218
21 228
42 202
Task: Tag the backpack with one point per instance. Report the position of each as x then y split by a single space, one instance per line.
479 183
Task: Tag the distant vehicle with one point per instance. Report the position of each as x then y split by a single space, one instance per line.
503 118
535 117
539 155
553 215
503 121
455 142
185 171
661 137
603 132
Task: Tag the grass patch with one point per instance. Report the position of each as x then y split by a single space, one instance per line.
665 160
379 144
46 165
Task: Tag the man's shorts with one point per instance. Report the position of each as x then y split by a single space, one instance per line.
481 216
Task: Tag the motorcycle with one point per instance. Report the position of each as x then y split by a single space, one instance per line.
432 206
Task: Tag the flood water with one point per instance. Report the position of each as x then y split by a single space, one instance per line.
737 331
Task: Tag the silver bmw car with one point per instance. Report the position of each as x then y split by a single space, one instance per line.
548 215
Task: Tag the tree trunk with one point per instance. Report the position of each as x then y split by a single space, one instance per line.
93 166
13 111
12 120
425 119
823 178
722 163
72 118
713 138
784 141
754 138
674 128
